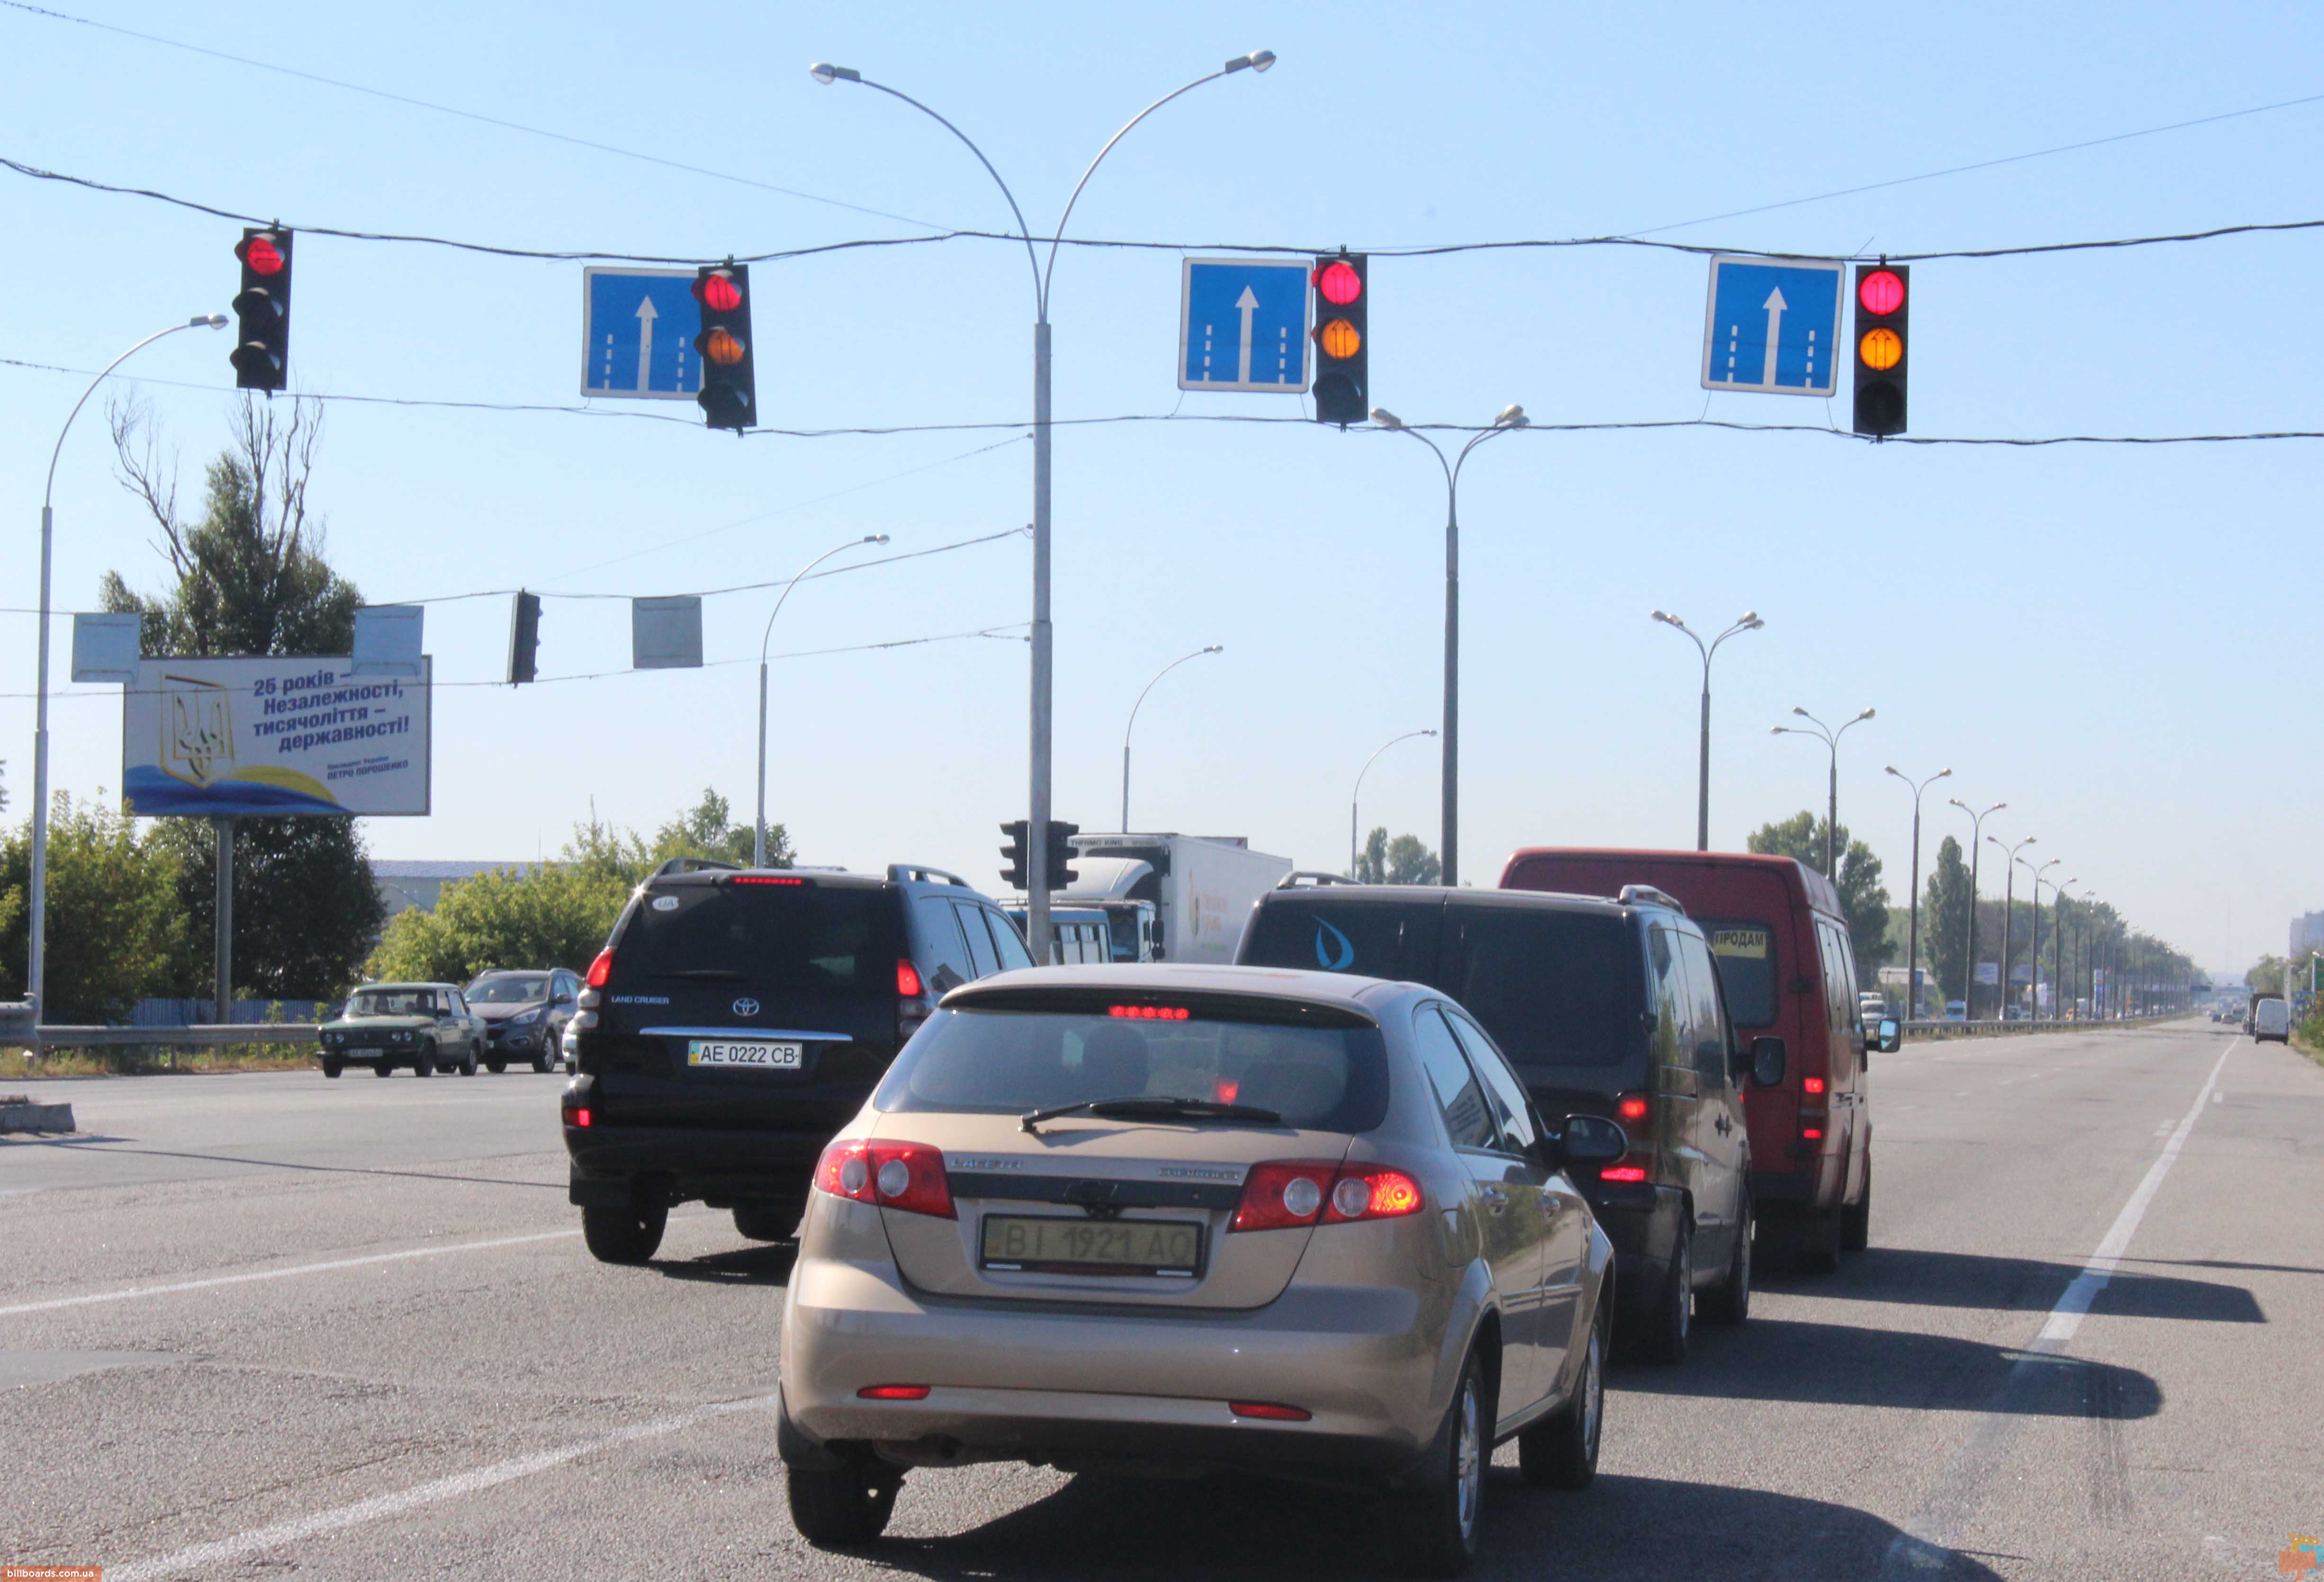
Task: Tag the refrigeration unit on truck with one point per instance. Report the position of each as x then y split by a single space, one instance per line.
1201 888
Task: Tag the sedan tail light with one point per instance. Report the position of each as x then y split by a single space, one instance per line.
910 1176
1285 1194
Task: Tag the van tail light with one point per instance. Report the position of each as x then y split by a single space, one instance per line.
910 1176
1285 1194
1813 1110
1631 1173
1636 1114
1270 1410
601 968
1813 1087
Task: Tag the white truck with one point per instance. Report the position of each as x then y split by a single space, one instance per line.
1200 887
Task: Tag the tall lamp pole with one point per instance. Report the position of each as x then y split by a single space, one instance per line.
1830 738
36 957
2008 912
1512 416
1913 933
1037 897
759 830
1747 621
1355 795
1976 851
2033 972
1126 729
2062 959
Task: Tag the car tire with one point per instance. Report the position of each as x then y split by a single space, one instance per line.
382 1069
767 1221
468 1062
496 1066
331 1068
624 1235
423 1065
1672 1317
842 1508
1856 1219
541 1062
1440 1527
1730 1302
1820 1237
1560 1451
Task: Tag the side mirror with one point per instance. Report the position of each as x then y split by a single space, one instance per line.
1767 1062
564 999
1892 1036
1593 1139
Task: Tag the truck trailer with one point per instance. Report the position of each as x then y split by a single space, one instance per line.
1201 888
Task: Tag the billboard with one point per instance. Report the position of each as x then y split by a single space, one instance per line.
235 738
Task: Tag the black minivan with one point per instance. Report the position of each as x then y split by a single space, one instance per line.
734 1021
1610 1008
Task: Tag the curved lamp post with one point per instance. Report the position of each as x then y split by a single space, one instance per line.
1747 621
2008 912
1830 738
2034 973
1512 416
1356 795
1126 729
1912 933
1976 851
758 829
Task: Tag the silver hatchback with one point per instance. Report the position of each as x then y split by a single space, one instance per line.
1168 1218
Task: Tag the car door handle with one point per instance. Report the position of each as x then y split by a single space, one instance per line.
1495 1199
1724 1125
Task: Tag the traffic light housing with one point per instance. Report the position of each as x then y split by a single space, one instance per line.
1342 387
1016 875
729 392
262 342
1060 851
524 637
1884 352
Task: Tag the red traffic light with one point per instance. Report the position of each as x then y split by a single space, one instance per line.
1339 283
1881 292
263 256
719 293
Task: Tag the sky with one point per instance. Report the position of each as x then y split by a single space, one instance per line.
2116 642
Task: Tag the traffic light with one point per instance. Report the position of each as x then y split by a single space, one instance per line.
262 342
524 637
1343 352
1015 876
1883 353
729 394
1061 853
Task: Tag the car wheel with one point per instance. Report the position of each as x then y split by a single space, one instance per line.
468 1062
382 1069
1672 1317
1562 1451
424 1065
331 1068
847 1506
1439 1528
541 1063
1730 1303
769 1221
624 1235
496 1066
1819 1244
1856 1220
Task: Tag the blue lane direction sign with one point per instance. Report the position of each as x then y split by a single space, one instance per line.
1773 326
637 334
1242 324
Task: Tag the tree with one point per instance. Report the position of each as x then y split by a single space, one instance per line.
1863 899
252 579
557 915
114 922
708 831
1944 921
1404 860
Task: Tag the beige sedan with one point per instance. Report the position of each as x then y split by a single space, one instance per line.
1172 1218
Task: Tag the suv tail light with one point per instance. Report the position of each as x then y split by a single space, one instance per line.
907 978
910 1176
1288 1192
601 968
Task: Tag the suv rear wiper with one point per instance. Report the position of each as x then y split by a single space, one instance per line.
1143 1107
707 975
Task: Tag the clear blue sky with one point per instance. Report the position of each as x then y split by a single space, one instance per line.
2116 642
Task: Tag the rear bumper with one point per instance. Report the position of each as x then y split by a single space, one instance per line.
685 1162
1642 1221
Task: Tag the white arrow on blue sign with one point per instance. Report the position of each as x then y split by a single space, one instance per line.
1242 324
1773 326
637 334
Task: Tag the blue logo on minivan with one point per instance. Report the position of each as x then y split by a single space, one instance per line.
1347 956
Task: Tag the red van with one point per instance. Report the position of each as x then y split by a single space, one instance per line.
1776 927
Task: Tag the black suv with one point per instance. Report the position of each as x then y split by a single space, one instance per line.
1605 1007
734 1022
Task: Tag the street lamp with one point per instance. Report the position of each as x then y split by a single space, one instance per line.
1747 621
1830 738
1976 851
1037 890
1126 729
1511 417
1359 791
2033 967
36 957
759 830
2069 989
1913 934
2008 912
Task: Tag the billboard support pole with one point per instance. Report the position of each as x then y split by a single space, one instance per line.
223 985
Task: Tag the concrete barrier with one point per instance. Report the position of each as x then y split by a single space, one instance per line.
17 1115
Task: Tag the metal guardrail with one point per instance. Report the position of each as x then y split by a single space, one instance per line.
1964 1029
200 1037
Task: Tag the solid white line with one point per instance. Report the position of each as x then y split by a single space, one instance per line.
225 1550
425 1252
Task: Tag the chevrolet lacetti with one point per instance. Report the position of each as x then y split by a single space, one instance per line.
1175 1218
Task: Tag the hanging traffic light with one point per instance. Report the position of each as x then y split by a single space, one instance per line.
729 393
1342 385
262 342
1019 833
1061 853
524 637
1883 356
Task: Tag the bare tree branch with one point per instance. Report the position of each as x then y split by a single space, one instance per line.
137 452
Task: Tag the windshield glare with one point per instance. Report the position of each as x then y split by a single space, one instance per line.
507 991
1010 1063
394 1002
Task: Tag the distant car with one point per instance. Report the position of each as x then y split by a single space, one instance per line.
524 1014
1956 1010
2271 1020
422 1026
1871 1005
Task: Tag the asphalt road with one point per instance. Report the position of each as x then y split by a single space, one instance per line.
271 1325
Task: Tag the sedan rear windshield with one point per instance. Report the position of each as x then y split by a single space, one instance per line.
768 936
394 1002
1011 1061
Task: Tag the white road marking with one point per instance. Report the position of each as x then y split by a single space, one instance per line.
424 1251
225 1550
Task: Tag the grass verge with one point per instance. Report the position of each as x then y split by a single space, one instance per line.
17 1063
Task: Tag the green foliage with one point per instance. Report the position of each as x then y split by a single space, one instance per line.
1404 860
1944 921
706 830
114 923
306 909
1863 899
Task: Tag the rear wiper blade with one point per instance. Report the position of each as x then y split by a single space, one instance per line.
1146 1107
708 974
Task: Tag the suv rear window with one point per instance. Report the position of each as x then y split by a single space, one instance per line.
1012 1061
768 936
1556 990
1375 940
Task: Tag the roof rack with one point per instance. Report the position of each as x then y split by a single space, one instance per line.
671 865
899 873
1647 895
1315 879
